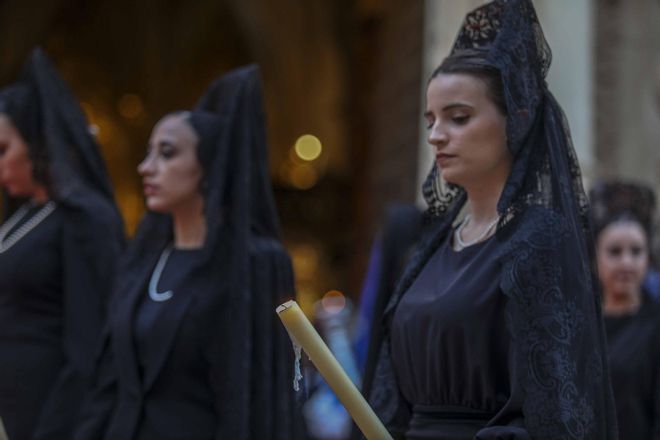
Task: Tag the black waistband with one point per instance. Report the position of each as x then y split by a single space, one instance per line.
446 422
448 412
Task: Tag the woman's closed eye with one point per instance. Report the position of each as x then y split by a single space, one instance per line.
430 120
460 119
166 150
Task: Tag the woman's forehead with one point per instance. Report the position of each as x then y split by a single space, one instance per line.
174 127
448 87
6 125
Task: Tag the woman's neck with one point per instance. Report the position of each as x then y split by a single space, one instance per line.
189 227
482 216
615 304
482 202
40 195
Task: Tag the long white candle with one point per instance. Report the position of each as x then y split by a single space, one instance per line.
303 333
3 433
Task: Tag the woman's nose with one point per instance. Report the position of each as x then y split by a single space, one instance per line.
146 166
627 259
437 135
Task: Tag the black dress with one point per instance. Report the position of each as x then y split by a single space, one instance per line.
546 378
450 345
167 366
634 351
31 324
159 367
53 291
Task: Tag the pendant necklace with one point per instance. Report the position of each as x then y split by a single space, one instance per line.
483 235
7 243
154 294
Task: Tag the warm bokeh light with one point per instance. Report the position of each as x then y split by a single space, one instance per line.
305 260
103 133
333 301
308 147
130 106
303 176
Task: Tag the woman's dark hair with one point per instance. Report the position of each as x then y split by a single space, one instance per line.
207 127
466 62
617 200
20 105
622 217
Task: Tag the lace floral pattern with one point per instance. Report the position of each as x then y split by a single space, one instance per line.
548 326
480 27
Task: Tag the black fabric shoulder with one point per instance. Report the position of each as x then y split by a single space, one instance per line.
557 352
537 227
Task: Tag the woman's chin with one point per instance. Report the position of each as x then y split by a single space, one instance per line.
18 193
627 292
451 177
155 205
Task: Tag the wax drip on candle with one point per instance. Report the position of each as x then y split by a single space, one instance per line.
297 375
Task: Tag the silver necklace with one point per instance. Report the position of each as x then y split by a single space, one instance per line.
483 235
7 243
154 294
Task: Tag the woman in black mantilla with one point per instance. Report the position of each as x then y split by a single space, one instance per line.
194 350
495 330
58 246
623 218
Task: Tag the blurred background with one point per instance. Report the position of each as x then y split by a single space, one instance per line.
344 83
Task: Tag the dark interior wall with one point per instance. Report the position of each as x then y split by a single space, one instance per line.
389 72
347 71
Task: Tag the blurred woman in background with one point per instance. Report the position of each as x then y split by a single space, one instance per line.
623 214
194 351
59 240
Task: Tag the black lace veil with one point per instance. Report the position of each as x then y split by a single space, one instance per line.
67 159
506 35
548 273
617 198
48 116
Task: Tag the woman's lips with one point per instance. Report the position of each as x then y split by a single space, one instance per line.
443 159
149 189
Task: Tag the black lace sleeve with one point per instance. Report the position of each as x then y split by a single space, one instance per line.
558 350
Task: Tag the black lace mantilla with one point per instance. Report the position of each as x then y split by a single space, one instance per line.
553 331
553 308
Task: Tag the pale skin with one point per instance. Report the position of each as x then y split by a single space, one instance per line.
468 134
16 167
623 258
171 177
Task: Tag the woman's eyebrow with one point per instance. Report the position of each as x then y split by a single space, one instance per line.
456 104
